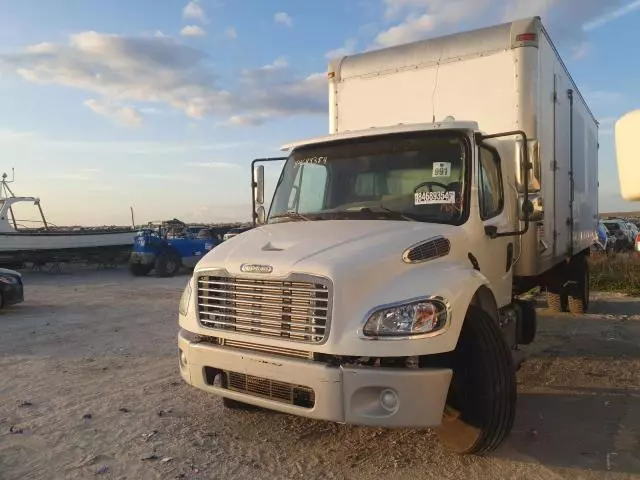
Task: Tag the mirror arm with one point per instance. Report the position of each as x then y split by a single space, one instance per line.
254 184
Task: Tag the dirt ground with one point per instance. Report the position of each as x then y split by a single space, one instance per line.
90 388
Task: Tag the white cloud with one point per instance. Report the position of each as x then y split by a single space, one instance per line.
347 49
283 18
73 176
13 135
193 31
194 11
159 70
612 15
581 50
412 29
231 33
214 165
417 19
127 116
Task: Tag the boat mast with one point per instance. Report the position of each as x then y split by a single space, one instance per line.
6 192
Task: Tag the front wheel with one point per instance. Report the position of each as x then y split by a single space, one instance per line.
167 264
139 269
481 403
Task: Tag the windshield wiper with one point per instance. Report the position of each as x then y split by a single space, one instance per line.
382 208
293 215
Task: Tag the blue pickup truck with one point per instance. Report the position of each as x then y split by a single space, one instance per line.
171 245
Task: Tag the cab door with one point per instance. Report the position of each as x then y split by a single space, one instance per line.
495 255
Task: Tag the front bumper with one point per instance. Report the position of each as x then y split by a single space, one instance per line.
346 394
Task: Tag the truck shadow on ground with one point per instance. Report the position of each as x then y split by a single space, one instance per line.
581 430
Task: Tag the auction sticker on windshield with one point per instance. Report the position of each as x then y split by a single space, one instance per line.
433 198
441 169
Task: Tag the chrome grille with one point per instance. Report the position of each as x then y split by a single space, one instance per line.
263 387
295 310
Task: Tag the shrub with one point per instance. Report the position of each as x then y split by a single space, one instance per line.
616 272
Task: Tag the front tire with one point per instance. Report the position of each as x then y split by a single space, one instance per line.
139 269
481 402
167 264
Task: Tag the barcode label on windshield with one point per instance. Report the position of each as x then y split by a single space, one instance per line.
441 169
431 198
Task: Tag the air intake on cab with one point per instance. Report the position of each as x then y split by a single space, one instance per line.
427 250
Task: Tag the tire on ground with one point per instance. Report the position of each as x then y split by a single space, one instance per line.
579 291
167 264
140 269
557 300
481 402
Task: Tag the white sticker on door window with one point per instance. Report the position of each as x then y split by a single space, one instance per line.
431 198
441 169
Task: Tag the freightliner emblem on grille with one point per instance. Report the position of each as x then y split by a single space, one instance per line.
253 268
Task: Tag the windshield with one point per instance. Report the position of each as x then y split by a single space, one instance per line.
417 176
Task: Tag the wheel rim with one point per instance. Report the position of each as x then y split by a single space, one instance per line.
171 266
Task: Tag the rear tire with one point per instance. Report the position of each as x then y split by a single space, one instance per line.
579 294
482 397
557 300
167 264
139 269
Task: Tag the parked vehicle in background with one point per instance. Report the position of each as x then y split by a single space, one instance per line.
236 231
383 286
621 235
11 287
169 246
601 241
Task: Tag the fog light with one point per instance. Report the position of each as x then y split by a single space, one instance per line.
183 359
389 400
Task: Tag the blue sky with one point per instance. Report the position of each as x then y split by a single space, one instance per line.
161 105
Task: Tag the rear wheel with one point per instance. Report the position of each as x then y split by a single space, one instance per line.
139 269
557 300
579 291
167 264
481 402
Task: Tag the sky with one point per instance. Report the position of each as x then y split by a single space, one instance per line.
162 105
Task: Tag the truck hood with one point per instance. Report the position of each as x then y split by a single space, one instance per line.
323 247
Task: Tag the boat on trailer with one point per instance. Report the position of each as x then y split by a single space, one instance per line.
47 243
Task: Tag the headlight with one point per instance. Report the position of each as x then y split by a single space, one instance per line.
407 320
184 299
9 280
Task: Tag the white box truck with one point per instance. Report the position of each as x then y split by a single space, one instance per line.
382 286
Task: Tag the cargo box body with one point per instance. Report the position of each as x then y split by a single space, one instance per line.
506 77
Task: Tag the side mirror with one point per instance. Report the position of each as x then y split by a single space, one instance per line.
259 185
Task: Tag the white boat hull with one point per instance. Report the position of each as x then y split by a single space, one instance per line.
50 246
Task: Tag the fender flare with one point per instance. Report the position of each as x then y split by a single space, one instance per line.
460 285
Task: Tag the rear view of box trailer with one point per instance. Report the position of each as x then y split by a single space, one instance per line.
506 77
